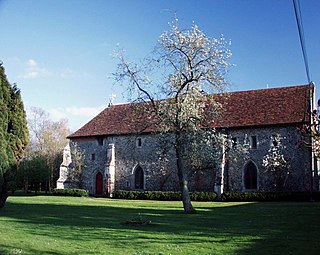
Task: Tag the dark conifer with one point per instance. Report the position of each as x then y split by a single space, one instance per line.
14 135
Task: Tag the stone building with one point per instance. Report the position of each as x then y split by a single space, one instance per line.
123 151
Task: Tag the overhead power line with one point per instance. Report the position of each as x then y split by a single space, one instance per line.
297 11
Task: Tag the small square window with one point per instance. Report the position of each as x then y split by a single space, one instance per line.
139 142
93 156
100 141
253 142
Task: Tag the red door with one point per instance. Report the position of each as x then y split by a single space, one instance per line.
99 184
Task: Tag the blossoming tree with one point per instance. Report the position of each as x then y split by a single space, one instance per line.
186 67
275 162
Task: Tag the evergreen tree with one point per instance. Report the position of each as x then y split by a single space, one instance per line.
14 133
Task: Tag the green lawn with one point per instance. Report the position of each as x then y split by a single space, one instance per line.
61 225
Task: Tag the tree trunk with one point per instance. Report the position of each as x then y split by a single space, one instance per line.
26 186
182 175
3 191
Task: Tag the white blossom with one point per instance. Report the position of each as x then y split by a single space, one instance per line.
275 160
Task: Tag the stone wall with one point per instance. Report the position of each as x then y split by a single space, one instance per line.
297 155
158 162
128 156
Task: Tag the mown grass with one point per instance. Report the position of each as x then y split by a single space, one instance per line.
64 225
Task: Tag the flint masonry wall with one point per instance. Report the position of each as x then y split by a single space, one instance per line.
144 151
95 156
159 169
297 155
129 154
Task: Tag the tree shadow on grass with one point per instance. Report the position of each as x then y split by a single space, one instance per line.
264 228
12 250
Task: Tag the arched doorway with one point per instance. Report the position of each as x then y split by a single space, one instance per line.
138 178
99 184
250 177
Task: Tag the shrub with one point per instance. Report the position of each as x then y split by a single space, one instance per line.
162 195
70 192
268 196
203 196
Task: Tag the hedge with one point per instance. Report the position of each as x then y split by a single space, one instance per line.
211 196
70 192
162 195
269 196
200 196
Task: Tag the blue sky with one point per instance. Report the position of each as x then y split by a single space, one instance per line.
60 52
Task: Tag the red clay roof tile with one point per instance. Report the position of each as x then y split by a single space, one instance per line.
263 107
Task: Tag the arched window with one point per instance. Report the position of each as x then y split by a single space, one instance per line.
250 176
138 178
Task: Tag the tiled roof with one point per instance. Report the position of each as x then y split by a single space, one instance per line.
263 107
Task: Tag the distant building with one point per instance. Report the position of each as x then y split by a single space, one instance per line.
121 150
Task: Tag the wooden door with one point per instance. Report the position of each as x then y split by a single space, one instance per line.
99 184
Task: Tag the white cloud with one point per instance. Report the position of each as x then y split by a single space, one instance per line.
30 75
32 63
68 112
76 116
58 114
33 70
85 111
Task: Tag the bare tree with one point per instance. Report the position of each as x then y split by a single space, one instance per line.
47 138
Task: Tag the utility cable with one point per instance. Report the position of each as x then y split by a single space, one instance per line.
297 11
